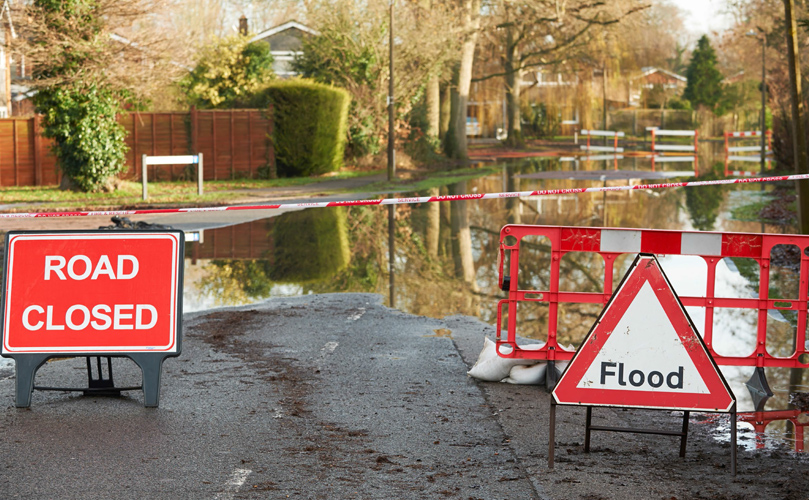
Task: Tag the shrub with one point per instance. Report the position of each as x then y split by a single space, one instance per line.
228 72
309 126
88 140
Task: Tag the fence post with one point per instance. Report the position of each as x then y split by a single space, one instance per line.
199 174
250 142
37 151
213 141
143 175
232 143
271 146
15 137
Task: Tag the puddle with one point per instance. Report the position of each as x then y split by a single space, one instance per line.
445 258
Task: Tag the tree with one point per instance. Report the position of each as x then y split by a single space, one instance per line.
83 74
704 81
540 33
228 72
351 52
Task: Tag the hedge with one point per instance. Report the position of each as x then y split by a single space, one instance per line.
309 126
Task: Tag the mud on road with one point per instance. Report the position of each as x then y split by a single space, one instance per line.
337 396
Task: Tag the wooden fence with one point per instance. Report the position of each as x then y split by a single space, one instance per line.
235 143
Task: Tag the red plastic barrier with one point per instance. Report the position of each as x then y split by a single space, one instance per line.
761 419
610 243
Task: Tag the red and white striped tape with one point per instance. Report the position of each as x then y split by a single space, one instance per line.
413 200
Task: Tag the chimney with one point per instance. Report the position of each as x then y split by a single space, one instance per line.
243 25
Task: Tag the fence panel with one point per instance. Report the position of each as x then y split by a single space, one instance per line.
236 143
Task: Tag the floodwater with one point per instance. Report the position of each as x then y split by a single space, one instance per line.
445 257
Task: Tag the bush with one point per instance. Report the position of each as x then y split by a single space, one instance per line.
309 126
228 72
88 140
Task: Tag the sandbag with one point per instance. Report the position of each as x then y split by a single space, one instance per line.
527 375
493 368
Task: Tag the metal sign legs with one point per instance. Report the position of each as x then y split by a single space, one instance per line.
150 365
683 434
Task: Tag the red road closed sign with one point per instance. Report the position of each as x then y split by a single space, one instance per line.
99 292
645 352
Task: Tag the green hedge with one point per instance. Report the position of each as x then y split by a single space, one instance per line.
309 126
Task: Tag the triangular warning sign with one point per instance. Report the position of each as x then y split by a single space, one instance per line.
645 352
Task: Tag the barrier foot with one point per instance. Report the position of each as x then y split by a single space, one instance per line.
26 369
151 367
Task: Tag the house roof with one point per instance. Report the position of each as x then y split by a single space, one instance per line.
650 70
283 27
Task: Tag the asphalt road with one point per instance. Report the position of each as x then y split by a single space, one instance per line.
317 397
338 397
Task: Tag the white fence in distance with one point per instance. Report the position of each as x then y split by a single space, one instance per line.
656 133
602 133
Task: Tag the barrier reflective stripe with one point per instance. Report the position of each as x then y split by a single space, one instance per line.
611 243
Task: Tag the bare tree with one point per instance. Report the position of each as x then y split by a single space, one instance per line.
545 33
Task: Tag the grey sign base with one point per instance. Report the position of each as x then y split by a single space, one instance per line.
28 364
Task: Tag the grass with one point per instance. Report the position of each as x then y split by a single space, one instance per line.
434 180
224 192
160 193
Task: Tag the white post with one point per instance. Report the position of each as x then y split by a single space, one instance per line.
199 174
143 175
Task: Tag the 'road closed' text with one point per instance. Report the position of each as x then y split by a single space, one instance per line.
100 317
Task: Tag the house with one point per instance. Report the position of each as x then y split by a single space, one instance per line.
654 86
286 43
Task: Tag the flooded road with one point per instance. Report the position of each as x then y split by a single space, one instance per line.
445 255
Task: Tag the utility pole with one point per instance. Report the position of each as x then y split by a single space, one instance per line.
762 118
391 113
391 173
763 103
798 135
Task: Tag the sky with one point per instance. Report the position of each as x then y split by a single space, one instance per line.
703 16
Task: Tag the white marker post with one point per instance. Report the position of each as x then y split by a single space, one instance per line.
171 160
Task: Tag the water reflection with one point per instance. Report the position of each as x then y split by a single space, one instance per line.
442 257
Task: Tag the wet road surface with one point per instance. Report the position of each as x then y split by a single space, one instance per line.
337 396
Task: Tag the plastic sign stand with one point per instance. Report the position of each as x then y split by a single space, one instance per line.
92 293
644 352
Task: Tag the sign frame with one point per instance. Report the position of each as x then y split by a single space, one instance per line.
596 339
149 358
683 434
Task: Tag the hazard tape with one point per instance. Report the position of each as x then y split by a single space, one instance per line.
407 201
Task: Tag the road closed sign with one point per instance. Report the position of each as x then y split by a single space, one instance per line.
92 292
645 352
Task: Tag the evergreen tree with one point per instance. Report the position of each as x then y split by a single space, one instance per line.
704 87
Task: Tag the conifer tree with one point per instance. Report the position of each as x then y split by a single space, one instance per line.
704 81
